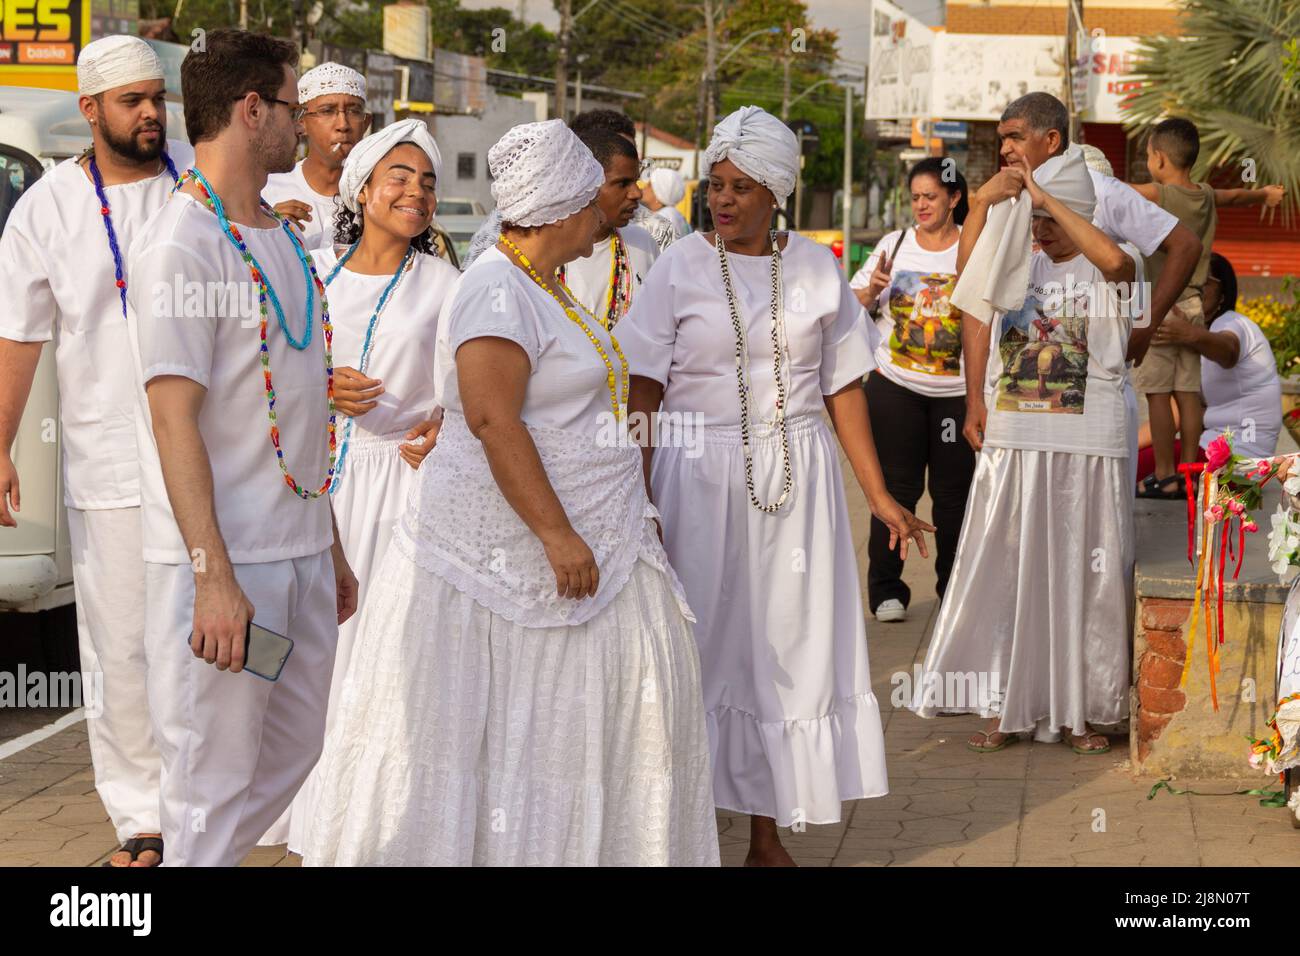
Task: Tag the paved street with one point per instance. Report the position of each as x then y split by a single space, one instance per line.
1031 804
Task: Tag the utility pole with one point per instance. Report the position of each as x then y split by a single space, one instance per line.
848 177
243 14
710 67
785 76
1073 27
562 61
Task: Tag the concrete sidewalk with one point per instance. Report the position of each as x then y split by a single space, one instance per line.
1031 804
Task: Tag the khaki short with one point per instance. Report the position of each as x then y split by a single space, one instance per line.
1172 368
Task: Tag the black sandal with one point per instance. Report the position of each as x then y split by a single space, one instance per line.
135 846
1153 488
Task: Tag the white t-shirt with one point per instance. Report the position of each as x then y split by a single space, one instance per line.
318 232
679 331
568 388
400 353
920 338
1246 398
680 226
57 276
1126 216
184 321
588 278
1056 374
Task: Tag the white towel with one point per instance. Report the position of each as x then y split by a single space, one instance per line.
996 276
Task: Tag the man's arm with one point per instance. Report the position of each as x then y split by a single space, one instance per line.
221 610
17 370
1269 196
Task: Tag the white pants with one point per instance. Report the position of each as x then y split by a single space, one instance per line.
235 747
108 575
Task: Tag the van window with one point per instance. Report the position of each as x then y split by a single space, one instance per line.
17 172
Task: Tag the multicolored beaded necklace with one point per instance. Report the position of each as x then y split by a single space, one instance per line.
403 268
619 407
106 211
314 285
619 297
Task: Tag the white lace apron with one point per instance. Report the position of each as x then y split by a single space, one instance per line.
460 527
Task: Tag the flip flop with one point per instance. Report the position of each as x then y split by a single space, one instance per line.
986 747
135 846
1151 488
1087 751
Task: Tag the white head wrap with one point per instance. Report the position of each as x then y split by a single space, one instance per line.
1096 160
760 146
365 156
110 62
542 173
668 186
328 79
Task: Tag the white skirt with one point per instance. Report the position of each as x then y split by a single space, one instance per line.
793 724
461 738
370 500
1037 621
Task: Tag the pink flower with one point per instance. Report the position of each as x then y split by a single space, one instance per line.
1218 454
1260 472
1235 506
1257 761
1250 526
1215 513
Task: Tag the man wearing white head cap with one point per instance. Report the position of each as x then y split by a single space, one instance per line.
661 196
385 291
1038 604
525 687
245 575
334 97
63 268
753 334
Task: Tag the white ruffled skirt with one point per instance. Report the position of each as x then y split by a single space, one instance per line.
462 738
793 724
1037 621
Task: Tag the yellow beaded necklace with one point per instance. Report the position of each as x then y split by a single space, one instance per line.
573 315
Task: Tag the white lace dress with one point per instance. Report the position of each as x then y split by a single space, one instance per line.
484 720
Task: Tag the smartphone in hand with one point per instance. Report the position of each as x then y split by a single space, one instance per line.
265 652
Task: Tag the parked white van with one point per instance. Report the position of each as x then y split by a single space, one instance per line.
38 129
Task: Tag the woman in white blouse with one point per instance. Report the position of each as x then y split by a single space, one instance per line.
525 688
385 289
745 336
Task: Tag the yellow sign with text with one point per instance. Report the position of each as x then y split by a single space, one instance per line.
40 40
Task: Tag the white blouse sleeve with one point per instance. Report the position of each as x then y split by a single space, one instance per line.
30 307
492 309
648 332
170 344
847 343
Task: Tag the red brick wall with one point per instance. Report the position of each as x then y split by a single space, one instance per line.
1160 669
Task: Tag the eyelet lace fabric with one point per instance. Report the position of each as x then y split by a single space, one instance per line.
460 527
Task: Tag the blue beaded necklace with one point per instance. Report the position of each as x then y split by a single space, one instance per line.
239 244
106 211
367 342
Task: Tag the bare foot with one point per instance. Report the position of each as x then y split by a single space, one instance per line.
145 858
765 848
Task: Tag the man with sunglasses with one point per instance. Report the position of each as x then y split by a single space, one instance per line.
334 118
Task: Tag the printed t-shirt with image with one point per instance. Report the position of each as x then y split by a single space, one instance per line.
1056 371
920 346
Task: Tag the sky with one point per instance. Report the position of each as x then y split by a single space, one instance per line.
852 18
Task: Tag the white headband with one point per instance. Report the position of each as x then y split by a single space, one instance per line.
365 156
330 78
760 146
115 61
542 173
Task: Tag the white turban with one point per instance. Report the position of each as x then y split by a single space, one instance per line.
365 156
668 186
996 276
115 61
760 146
329 79
542 173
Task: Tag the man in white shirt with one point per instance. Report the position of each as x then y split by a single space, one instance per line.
606 281
334 97
62 266
662 194
237 523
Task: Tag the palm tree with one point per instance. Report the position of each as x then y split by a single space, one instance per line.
1235 73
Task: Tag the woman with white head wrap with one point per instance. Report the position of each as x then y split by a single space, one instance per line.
745 336
1039 604
386 288
665 190
525 688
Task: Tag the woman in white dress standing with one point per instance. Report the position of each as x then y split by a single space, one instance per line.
386 288
753 505
525 687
